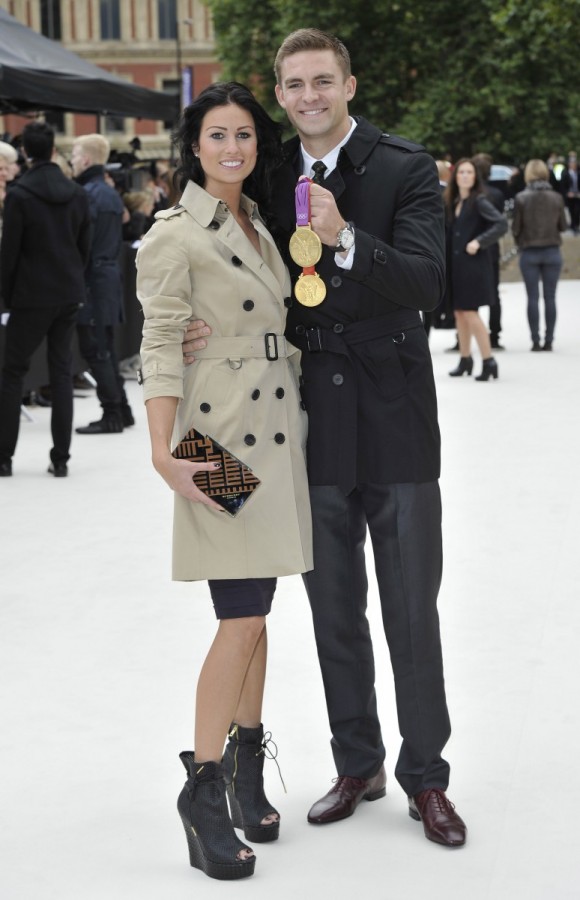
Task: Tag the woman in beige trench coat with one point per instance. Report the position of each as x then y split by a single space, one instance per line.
212 257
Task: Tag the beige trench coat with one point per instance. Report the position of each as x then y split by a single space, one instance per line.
196 262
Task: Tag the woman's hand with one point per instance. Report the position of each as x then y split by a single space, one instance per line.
178 474
473 247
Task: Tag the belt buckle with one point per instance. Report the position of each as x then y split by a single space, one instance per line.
269 339
314 339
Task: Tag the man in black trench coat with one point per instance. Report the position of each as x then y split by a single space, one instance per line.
373 445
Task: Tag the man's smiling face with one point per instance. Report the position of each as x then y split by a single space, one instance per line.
315 93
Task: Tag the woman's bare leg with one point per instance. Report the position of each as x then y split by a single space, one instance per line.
462 323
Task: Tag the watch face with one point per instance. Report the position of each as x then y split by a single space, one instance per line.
346 238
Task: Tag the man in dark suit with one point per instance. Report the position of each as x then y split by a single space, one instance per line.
104 307
45 247
373 445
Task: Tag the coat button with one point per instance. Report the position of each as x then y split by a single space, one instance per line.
215 224
279 438
279 393
248 305
250 440
336 281
300 329
360 170
337 379
255 394
205 407
338 328
288 302
236 261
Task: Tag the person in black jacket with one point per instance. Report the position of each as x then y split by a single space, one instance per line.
483 162
570 187
373 446
45 247
473 225
104 306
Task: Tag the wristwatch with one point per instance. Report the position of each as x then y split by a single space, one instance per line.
345 238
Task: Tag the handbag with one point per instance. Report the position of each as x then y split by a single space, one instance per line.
232 485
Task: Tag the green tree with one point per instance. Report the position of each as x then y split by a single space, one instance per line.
458 76
246 47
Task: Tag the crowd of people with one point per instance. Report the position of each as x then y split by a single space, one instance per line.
61 275
265 250
538 203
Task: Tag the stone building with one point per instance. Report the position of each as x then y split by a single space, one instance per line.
146 42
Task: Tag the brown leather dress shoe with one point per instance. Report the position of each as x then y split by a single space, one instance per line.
440 821
342 800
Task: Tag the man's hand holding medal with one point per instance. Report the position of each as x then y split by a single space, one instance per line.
318 222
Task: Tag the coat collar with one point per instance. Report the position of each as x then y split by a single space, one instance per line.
206 209
360 145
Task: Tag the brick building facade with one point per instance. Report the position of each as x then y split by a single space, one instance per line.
145 42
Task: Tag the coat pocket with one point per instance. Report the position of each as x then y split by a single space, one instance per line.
382 365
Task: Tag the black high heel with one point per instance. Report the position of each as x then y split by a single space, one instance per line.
465 365
489 370
243 764
203 809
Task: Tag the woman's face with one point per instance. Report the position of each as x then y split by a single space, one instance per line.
465 176
228 147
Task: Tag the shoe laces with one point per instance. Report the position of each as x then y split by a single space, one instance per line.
440 800
263 749
355 782
271 753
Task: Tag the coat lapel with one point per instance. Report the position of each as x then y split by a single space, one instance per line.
206 209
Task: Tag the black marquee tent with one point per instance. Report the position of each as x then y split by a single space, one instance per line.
39 74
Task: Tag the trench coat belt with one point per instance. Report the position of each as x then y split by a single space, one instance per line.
268 346
343 342
342 336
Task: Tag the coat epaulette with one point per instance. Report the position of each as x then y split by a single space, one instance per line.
169 213
400 143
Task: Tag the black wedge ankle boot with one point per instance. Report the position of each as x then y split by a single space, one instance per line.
203 809
465 365
489 370
243 764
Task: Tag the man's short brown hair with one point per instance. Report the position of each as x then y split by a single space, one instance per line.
312 39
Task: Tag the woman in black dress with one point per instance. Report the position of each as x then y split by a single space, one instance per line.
473 225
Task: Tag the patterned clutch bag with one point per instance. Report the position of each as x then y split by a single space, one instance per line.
232 484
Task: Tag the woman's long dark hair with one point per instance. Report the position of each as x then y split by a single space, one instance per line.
258 185
451 194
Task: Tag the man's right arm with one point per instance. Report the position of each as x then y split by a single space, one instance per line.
194 340
85 232
13 227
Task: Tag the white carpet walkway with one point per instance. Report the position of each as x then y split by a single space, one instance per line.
100 651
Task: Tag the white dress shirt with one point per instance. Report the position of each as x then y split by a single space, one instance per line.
330 161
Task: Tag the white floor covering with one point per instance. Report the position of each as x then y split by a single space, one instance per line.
100 652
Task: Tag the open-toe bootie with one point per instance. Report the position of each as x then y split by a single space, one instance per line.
203 809
243 765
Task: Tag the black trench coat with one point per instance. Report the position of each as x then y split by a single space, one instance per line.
470 278
370 393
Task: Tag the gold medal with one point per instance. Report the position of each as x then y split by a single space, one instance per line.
305 246
310 289
306 250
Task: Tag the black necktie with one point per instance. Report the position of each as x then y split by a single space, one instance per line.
319 169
